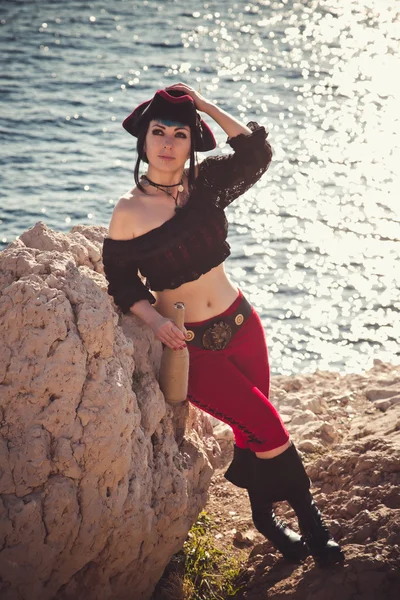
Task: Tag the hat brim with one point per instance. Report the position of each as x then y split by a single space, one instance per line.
177 108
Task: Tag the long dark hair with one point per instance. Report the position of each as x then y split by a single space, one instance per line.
141 156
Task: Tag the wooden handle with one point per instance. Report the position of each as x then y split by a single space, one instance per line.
179 314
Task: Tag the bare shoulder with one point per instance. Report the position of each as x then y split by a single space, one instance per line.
125 214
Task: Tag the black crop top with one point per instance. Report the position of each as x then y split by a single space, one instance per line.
193 241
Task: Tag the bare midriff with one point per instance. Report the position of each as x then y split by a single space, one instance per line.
204 298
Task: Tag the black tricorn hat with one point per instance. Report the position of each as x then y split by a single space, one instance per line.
174 105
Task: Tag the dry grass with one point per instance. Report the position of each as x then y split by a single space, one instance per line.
200 571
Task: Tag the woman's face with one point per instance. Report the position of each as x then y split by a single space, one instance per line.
167 144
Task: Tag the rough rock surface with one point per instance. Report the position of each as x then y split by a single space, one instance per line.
99 483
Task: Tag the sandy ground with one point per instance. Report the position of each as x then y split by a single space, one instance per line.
352 454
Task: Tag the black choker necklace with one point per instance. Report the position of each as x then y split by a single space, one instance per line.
180 188
161 186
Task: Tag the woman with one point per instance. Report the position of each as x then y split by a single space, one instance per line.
171 226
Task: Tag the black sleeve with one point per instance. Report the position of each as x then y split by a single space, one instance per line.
124 283
228 176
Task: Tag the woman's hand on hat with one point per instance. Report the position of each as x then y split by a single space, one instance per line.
199 101
168 333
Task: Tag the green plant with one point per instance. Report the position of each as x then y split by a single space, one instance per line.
210 574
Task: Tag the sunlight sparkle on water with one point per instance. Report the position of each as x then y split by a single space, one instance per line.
316 241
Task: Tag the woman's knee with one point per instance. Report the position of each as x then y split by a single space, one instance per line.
275 451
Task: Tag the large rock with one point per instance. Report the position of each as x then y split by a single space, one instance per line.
99 480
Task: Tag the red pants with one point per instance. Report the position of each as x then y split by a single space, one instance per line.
233 385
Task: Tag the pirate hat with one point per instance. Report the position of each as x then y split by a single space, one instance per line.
176 106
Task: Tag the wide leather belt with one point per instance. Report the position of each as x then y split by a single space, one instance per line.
218 331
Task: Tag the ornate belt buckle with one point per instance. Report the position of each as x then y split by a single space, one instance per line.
218 336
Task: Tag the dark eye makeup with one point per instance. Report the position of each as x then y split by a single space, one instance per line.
156 131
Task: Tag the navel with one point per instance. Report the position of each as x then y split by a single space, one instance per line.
208 303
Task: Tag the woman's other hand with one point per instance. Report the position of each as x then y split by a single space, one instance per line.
229 124
200 102
168 333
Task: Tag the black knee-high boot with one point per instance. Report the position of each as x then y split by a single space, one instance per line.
241 473
284 478
315 533
289 543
